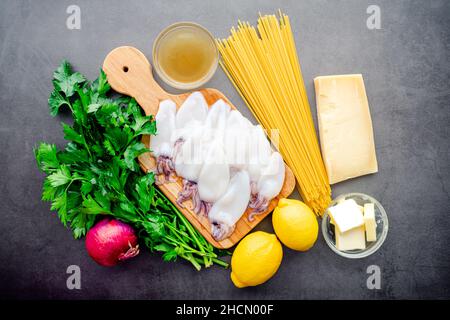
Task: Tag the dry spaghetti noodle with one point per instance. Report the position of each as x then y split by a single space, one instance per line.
263 66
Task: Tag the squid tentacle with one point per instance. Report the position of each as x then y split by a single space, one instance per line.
259 204
190 192
165 167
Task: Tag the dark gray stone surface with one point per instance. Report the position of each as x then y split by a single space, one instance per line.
406 67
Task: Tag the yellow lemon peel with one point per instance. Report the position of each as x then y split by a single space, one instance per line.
256 259
295 224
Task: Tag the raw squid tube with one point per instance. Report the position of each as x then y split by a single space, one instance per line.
237 119
259 153
182 134
269 185
236 140
160 144
194 108
216 120
236 146
272 177
214 175
230 207
189 157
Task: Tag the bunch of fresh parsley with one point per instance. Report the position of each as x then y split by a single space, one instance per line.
97 173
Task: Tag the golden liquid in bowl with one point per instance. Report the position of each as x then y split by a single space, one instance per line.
186 54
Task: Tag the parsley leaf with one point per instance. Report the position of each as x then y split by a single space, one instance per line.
133 151
71 134
67 81
93 107
73 154
119 138
61 177
46 157
69 84
101 85
63 71
90 206
55 101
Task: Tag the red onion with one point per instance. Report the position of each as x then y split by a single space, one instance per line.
111 241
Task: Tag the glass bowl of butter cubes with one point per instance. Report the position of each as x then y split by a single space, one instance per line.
355 225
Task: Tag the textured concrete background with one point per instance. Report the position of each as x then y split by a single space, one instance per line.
406 67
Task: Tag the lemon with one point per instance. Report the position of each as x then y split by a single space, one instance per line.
256 259
295 224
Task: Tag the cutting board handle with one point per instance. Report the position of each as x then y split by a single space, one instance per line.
129 72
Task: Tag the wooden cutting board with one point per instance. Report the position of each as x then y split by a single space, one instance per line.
129 72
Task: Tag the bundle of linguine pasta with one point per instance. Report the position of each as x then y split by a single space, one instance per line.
264 67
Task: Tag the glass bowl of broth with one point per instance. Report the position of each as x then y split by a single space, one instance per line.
185 55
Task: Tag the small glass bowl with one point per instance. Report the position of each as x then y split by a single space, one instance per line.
162 74
380 219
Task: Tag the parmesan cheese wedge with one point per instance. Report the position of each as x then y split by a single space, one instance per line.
345 127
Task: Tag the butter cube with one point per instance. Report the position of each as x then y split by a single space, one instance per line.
369 222
351 240
346 215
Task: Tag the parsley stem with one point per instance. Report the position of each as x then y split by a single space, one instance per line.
82 132
194 233
70 183
184 220
194 262
176 232
176 242
220 262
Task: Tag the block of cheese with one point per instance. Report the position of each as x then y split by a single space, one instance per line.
346 215
351 240
369 222
345 127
